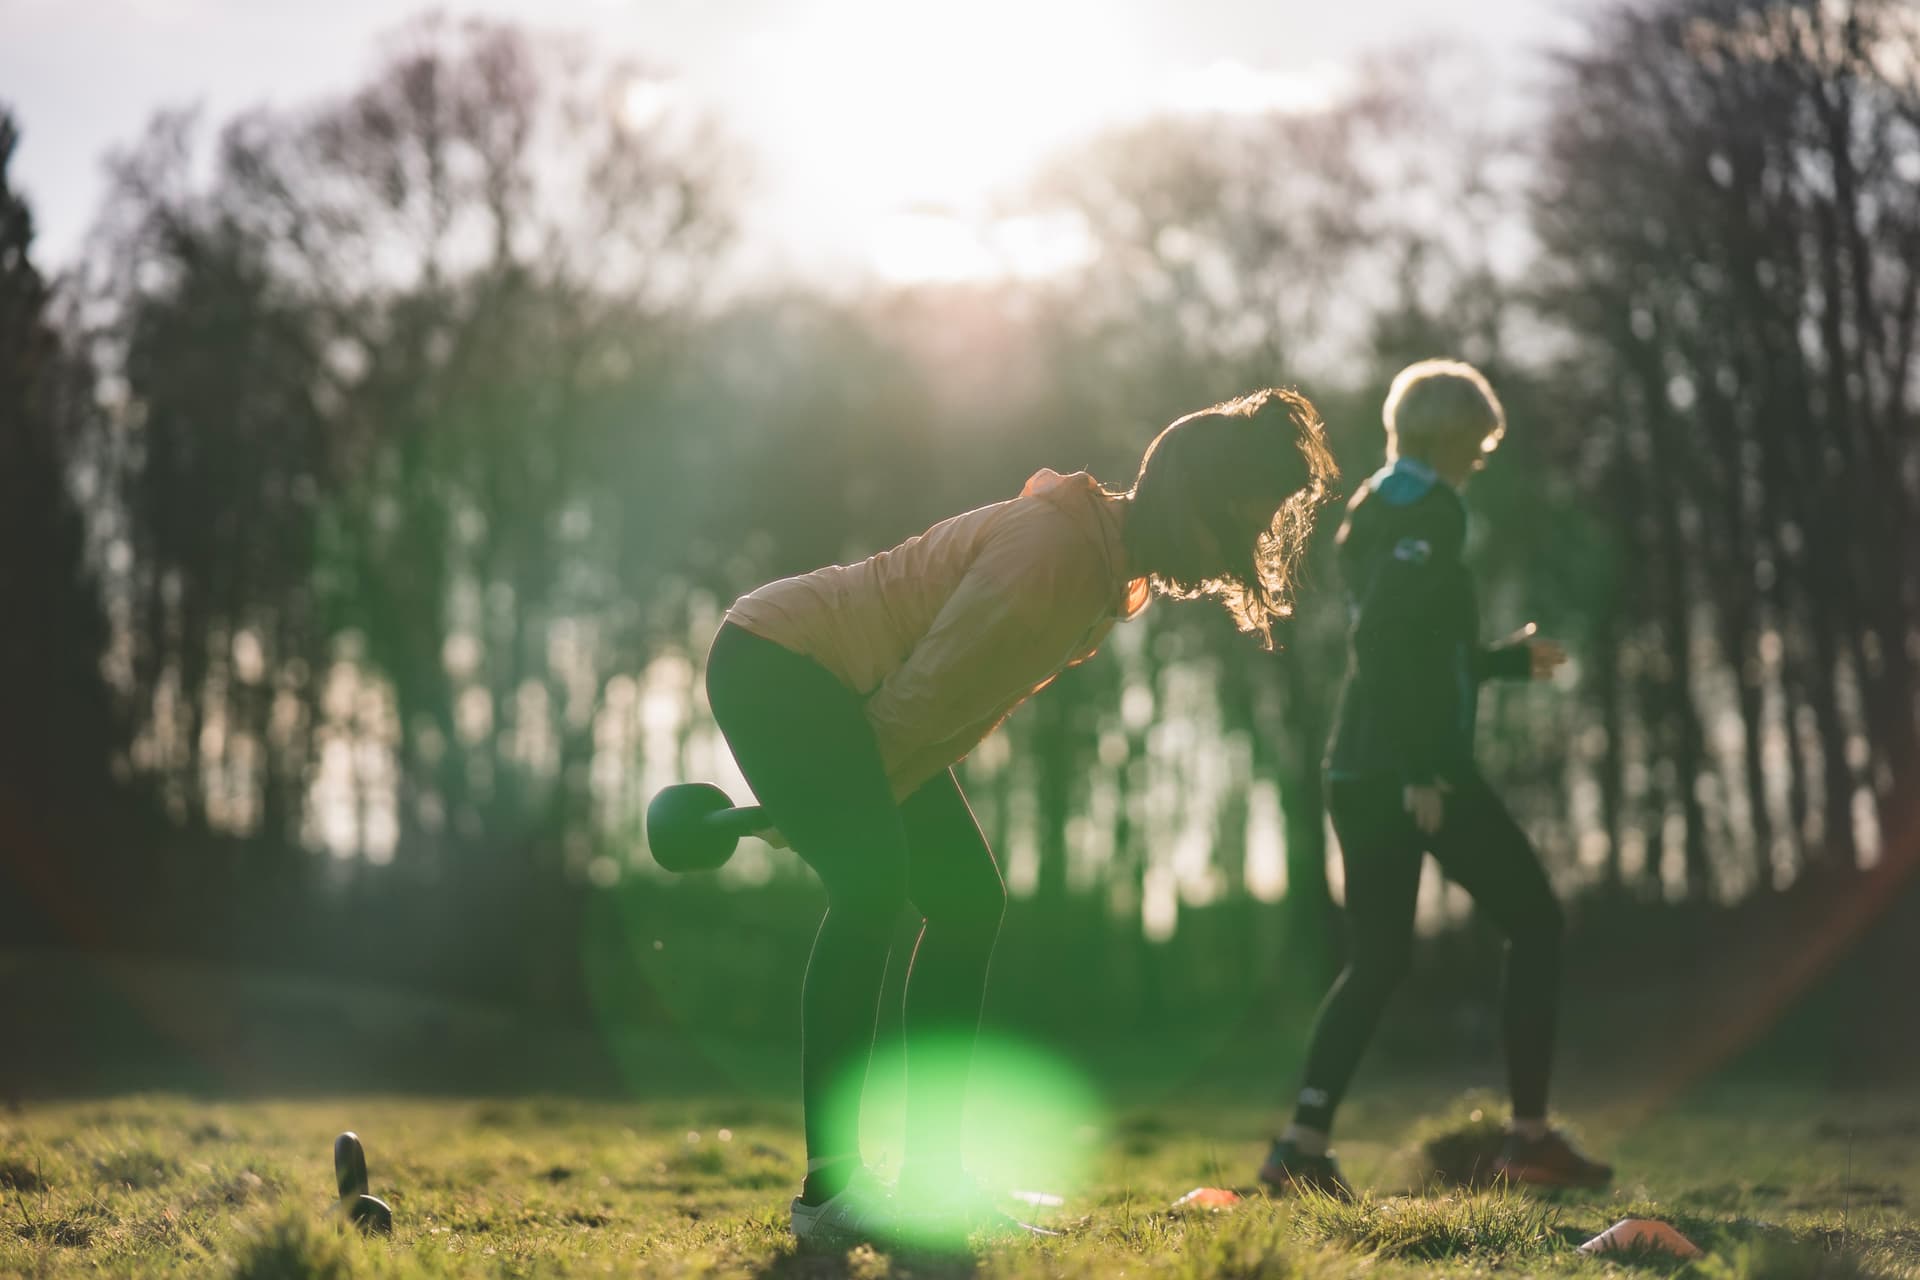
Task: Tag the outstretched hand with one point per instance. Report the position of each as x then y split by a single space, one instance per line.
1544 657
1547 657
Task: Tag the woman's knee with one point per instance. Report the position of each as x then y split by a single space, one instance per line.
1379 969
872 899
986 905
1539 933
974 907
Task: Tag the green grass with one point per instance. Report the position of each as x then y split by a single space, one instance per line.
1773 1184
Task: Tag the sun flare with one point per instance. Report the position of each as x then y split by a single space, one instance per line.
905 126
902 123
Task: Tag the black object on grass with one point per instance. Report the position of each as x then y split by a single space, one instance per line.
370 1214
694 826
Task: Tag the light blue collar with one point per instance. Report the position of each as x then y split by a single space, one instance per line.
1404 481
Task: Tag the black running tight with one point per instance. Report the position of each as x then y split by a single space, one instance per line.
801 739
1480 848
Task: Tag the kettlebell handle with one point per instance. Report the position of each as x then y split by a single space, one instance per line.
743 820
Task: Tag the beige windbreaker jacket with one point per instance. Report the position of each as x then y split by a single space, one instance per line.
948 632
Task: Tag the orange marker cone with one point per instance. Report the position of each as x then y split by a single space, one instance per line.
1642 1233
1212 1198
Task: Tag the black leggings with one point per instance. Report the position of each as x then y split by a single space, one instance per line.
1480 848
802 740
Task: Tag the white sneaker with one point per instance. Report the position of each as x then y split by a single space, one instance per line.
862 1212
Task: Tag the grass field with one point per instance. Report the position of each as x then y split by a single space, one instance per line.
1773 1183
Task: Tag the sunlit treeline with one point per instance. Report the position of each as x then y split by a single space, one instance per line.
1729 214
428 446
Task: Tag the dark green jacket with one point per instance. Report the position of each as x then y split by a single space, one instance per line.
1414 657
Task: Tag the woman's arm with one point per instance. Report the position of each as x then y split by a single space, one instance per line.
1521 656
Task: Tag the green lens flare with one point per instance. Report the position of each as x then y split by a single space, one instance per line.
1027 1119
672 972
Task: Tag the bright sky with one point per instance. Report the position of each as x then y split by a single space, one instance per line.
880 128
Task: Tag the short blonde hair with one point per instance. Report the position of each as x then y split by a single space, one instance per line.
1436 402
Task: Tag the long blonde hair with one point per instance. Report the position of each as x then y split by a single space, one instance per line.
1268 447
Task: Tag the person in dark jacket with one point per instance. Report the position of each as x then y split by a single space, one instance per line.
1401 779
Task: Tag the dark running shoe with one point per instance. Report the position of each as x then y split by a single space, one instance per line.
1290 1170
1550 1161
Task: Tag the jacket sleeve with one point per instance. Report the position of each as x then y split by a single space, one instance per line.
1015 618
1401 644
